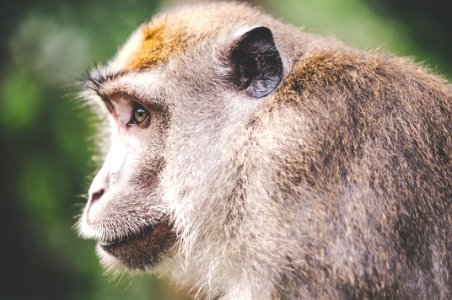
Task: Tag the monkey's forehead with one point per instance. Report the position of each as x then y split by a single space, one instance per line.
176 31
152 45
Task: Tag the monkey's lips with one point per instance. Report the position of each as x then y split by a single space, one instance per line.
143 249
110 244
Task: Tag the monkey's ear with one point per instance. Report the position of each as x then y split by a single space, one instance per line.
257 66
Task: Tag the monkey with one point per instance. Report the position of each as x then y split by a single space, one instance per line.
250 159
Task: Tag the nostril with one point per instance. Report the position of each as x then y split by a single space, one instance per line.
96 196
93 199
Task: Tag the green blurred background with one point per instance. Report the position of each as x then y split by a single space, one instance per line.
46 137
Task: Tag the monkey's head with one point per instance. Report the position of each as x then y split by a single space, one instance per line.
178 97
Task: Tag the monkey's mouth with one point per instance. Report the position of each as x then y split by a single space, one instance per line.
143 249
110 244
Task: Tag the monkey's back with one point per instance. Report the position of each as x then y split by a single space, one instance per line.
363 146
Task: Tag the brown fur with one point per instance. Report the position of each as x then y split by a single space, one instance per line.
158 44
375 137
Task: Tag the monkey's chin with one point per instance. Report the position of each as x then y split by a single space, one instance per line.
141 251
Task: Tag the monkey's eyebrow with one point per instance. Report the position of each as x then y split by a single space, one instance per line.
98 77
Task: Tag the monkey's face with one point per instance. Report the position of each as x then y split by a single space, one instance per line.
123 211
176 99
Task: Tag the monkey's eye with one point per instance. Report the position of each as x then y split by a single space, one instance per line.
140 116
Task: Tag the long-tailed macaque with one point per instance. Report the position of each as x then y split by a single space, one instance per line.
249 159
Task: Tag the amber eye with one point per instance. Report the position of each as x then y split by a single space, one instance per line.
139 115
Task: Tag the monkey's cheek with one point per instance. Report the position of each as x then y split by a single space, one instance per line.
142 253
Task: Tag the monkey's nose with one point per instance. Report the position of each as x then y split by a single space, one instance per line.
93 198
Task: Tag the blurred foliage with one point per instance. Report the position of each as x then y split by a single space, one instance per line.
46 134
425 33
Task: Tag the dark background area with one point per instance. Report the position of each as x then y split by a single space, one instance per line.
46 135
429 24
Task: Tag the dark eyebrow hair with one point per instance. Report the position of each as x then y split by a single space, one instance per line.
96 78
